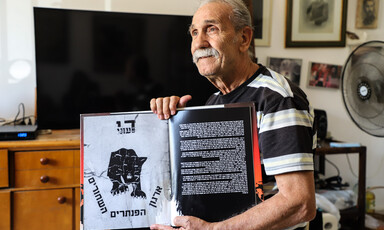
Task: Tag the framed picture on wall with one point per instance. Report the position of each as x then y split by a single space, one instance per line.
367 14
261 14
324 75
288 67
316 23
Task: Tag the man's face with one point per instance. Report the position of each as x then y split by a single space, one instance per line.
369 7
212 29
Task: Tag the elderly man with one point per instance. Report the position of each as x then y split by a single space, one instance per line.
221 33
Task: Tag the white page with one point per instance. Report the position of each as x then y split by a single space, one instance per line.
104 135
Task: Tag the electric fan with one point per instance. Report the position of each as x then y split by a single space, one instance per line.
363 87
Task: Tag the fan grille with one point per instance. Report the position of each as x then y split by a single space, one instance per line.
363 87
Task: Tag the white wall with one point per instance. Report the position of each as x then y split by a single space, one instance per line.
17 41
17 68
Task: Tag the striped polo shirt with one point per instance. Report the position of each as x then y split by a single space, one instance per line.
284 119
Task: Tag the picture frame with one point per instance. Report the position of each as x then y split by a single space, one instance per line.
367 14
262 21
316 23
324 75
288 67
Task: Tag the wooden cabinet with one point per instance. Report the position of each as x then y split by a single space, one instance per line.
44 168
5 210
43 209
40 182
4 168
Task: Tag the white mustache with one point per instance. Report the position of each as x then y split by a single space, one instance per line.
204 53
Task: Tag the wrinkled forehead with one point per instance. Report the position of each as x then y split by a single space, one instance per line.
214 12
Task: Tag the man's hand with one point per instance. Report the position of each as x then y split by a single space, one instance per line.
185 223
165 107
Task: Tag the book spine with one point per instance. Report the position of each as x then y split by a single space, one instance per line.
256 159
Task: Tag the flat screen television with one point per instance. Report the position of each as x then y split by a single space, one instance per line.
95 62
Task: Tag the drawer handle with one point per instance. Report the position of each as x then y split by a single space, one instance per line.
44 161
61 199
44 179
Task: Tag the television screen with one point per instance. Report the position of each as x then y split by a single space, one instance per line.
93 62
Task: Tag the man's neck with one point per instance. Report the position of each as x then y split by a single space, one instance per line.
228 82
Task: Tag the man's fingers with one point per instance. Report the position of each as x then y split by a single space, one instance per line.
161 227
174 101
159 107
185 223
165 107
152 105
181 221
166 110
183 101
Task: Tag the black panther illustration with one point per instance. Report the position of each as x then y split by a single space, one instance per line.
124 169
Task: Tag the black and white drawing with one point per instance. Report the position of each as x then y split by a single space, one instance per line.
124 169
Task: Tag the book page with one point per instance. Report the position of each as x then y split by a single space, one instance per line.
212 162
126 171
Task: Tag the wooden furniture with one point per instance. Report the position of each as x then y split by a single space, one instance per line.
40 182
352 218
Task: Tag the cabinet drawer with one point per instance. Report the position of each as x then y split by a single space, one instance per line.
4 181
76 159
44 159
44 177
43 209
76 173
5 210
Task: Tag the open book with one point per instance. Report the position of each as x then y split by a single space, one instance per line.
138 170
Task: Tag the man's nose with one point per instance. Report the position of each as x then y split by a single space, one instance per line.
201 41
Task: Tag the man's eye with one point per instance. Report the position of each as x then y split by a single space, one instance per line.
212 29
194 33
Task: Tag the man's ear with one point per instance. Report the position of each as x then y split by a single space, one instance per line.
246 38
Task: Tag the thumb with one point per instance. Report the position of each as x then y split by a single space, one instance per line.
183 101
180 221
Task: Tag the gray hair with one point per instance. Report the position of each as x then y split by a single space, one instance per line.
241 16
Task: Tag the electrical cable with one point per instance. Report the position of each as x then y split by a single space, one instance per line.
17 120
18 112
334 165
350 167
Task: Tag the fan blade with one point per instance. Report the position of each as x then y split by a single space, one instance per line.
363 87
